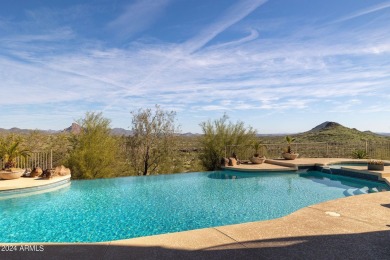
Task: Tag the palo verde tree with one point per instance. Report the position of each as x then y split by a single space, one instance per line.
94 150
152 145
218 135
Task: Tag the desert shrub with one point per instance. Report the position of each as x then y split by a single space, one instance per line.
359 154
219 134
152 147
95 150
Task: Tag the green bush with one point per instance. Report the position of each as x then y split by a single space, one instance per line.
218 135
152 148
359 154
95 150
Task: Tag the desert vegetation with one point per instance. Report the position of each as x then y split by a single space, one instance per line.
94 151
155 145
220 134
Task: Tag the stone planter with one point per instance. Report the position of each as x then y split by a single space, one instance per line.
376 167
290 156
10 175
257 160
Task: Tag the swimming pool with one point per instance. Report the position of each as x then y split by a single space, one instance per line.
339 165
120 208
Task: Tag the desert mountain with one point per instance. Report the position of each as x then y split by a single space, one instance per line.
335 132
328 132
73 129
326 125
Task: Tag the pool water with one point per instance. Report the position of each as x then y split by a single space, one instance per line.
339 165
120 208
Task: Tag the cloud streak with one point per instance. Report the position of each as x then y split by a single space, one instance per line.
259 72
369 10
137 17
233 15
179 52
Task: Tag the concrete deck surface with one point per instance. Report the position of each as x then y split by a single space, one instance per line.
313 161
291 165
23 182
259 167
288 165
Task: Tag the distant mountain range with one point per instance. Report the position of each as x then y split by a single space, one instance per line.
26 131
75 129
384 134
322 132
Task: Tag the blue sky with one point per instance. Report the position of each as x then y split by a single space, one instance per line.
281 66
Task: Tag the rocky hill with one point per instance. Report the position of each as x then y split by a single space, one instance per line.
335 132
73 129
329 132
324 126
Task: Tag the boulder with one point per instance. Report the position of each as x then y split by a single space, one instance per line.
232 161
37 171
47 174
27 172
61 171
224 162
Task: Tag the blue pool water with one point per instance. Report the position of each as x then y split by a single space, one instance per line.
339 165
112 209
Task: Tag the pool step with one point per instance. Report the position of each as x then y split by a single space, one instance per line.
352 192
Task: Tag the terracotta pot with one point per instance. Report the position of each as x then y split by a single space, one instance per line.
257 160
10 175
290 156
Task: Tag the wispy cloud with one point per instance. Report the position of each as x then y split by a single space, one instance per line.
59 34
233 15
298 70
369 10
137 17
177 53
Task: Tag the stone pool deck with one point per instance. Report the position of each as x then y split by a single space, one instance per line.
281 164
293 165
25 183
356 227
